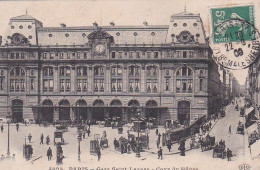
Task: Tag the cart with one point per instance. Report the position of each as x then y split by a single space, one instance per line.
240 129
219 152
58 137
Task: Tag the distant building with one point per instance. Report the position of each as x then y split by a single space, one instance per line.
56 73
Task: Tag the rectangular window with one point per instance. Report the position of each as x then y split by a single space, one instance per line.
143 54
130 54
12 85
191 54
201 84
178 53
62 85
79 85
137 85
178 86
73 54
167 87
12 56
154 86
78 55
131 85
78 71
138 55
156 54
50 71
22 55
148 86
45 85
119 85
51 85
189 86
113 55
51 55
96 87
68 55
1 84
113 85
85 85
32 84
17 56
61 56
85 55
85 71
56 54
184 54
22 85
148 54
101 85
67 83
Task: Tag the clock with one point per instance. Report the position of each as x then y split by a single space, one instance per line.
100 48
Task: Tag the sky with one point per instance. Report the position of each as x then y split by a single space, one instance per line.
122 12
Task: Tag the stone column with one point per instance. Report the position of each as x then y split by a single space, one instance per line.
56 79
107 79
90 79
143 79
125 79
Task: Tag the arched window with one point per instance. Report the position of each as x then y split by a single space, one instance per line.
17 80
48 79
151 79
99 77
116 78
184 80
82 79
134 79
65 79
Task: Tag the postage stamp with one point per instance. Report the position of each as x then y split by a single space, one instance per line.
235 39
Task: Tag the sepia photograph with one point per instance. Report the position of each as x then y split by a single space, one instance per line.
130 85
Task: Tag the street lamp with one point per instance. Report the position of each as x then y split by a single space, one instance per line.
8 119
138 131
79 139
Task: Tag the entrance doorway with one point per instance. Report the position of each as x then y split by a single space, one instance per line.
184 112
64 110
82 109
47 112
116 109
98 110
17 110
151 111
134 104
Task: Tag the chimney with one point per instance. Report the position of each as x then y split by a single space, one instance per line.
0 40
95 24
145 23
112 23
63 25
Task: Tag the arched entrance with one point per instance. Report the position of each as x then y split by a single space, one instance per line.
17 110
64 110
151 111
134 104
184 112
81 109
47 111
98 110
116 109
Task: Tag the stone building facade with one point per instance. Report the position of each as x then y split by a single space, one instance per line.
54 73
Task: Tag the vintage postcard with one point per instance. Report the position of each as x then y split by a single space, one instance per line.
130 85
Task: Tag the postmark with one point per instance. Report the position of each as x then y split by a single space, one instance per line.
235 41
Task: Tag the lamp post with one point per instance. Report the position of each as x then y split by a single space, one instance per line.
79 139
8 118
138 135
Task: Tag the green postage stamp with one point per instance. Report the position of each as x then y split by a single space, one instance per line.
233 24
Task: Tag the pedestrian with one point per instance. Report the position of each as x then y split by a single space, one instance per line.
47 140
229 154
210 124
84 134
98 153
17 126
128 148
42 139
49 153
2 128
122 149
156 131
115 143
159 138
160 153
229 130
158 144
169 146
30 137
88 131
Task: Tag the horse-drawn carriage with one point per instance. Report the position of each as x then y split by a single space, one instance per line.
141 125
241 129
207 143
219 151
58 137
62 127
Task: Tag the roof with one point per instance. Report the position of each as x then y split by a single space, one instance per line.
25 17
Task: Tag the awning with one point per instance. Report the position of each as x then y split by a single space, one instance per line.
252 128
249 110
